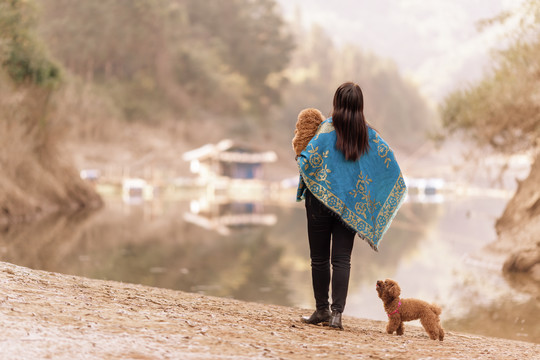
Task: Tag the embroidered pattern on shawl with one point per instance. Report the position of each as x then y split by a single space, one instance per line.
365 194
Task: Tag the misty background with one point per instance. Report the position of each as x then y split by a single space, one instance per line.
149 141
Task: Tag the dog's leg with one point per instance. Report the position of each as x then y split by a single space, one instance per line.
393 324
441 333
429 322
400 329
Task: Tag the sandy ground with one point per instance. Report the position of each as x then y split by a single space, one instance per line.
46 315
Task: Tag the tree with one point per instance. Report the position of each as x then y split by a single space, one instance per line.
222 56
252 39
21 54
392 105
503 112
34 177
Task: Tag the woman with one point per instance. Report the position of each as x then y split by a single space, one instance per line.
352 185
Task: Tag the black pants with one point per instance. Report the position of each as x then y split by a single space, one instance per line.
326 232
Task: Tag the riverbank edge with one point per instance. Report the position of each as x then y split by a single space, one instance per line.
45 314
42 212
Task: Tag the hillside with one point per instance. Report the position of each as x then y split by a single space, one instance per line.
187 71
37 177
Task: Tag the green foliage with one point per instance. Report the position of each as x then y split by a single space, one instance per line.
177 59
250 37
21 54
177 54
103 39
503 110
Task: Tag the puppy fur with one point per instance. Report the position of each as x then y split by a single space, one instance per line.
410 309
306 126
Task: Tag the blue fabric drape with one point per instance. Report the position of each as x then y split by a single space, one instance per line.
366 194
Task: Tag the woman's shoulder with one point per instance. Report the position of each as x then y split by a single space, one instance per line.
326 127
373 134
326 122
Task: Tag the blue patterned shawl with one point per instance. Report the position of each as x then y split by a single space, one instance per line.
366 194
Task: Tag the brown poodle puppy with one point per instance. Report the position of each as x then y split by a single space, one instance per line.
306 126
400 310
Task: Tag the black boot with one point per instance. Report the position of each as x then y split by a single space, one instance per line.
335 320
319 316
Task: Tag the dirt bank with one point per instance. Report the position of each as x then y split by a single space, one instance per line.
49 315
518 232
37 176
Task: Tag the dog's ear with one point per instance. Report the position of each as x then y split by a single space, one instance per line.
394 290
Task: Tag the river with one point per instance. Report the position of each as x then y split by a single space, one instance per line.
258 252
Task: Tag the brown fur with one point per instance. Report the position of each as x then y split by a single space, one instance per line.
410 309
306 126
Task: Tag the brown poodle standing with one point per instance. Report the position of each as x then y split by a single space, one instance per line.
400 310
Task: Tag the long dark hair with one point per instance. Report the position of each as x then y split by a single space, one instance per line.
349 121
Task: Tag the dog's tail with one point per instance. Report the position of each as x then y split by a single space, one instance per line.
435 308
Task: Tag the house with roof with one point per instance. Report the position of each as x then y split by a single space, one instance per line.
229 160
232 176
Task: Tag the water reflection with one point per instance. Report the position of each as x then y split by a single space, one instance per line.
432 249
222 216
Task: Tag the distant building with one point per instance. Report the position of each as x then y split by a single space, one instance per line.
232 176
426 190
135 190
226 159
91 175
